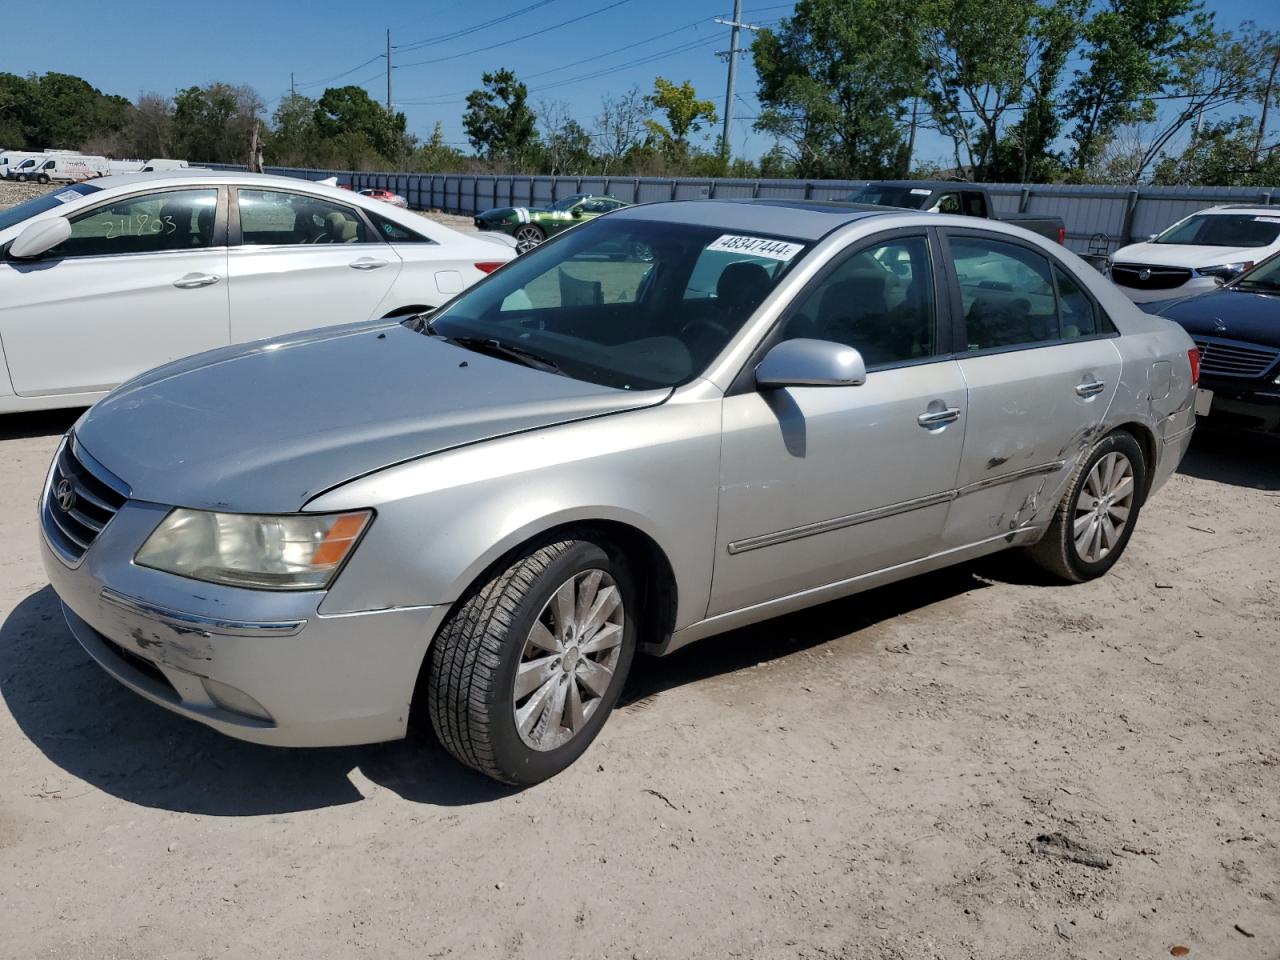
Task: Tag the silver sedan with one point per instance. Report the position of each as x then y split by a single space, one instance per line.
667 423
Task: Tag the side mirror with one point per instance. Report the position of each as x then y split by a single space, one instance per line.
811 363
40 237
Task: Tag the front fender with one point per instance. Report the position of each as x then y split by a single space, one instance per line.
444 519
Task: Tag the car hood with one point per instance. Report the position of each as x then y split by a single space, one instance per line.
265 427
1185 255
1228 313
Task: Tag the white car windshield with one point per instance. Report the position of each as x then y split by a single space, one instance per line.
1224 230
626 303
38 205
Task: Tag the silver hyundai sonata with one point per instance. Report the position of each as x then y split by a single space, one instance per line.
667 423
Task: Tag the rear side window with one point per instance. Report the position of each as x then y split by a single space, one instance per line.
1079 317
1006 294
394 233
151 223
276 218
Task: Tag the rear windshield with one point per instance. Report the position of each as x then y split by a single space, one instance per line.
1224 230
50 201
913 198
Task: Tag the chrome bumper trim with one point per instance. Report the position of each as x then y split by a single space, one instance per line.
206 626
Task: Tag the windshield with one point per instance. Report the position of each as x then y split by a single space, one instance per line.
625 303
1223 230
569 202
913 198
49 201
1265 276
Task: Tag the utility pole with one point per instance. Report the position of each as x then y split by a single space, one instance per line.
388 70
732 55
293 88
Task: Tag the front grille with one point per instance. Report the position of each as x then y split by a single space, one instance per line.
1142 277
1231 358
78 504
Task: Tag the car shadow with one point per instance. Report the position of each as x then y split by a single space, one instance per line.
103 734
1234 457
43 423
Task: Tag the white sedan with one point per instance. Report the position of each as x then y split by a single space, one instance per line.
102 280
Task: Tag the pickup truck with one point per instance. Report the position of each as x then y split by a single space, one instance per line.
965 199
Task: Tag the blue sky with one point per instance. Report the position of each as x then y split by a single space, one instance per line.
141 46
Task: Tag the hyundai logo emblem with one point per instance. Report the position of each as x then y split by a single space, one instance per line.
1144 274
65 494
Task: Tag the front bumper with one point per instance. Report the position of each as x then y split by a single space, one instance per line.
260 666
1246 409
1194 286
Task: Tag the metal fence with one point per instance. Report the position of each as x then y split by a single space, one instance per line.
1098 218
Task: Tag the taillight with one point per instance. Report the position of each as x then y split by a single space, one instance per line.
1194 356
1062 235
488 266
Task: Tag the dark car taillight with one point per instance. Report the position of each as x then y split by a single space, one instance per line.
1194 356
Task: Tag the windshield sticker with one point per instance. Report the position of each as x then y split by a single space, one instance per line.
66 196
757 247
1267 219
920 193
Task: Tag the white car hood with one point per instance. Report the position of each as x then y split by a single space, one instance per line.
1186 255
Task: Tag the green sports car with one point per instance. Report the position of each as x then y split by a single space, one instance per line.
531 225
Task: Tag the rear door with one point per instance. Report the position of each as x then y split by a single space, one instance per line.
140 282
298 261
1041 369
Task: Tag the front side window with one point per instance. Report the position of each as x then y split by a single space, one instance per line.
276 218
626 303
879 301
1006 293
151 223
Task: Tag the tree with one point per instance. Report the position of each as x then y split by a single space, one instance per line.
685 114
566 146
619 127
351 115
215 124
294 139
498 120
1223 153
16 95
436 156
148 132
835 81
1132 48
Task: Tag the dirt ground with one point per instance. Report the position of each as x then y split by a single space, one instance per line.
866 780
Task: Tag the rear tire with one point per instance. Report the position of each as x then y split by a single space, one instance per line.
42 178
1093 523
525 672
528 236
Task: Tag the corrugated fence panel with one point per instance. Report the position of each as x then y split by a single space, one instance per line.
1098 218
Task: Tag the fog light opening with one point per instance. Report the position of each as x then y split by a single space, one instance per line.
235 701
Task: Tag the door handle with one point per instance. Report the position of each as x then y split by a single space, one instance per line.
193 280
938 418
367 263
1090 388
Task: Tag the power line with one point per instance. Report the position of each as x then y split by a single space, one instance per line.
474 28
344 73
527 36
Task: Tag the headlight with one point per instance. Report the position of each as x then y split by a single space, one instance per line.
290 552
1225 271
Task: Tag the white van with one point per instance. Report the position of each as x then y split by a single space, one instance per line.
11 161
161 163
125 166
65 169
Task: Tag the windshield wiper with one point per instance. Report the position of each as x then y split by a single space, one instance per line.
495 347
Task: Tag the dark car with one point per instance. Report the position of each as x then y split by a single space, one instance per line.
963 199
1237 328
531 225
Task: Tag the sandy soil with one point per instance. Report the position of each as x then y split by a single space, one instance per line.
866 780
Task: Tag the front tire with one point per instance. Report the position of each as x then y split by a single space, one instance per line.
526 671
1096 517
528 236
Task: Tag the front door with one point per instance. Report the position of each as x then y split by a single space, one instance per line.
141 281
304 261
1041 367
821 484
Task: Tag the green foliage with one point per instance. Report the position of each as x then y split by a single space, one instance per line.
1222 153
436 156
359 124
215 123
834 84
685 114
56 110
499 122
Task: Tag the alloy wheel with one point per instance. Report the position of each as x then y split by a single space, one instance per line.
1103 506
527 238
568 660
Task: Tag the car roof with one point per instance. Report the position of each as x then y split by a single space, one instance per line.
801 219
1257 208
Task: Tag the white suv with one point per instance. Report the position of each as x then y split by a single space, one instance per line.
1197 253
